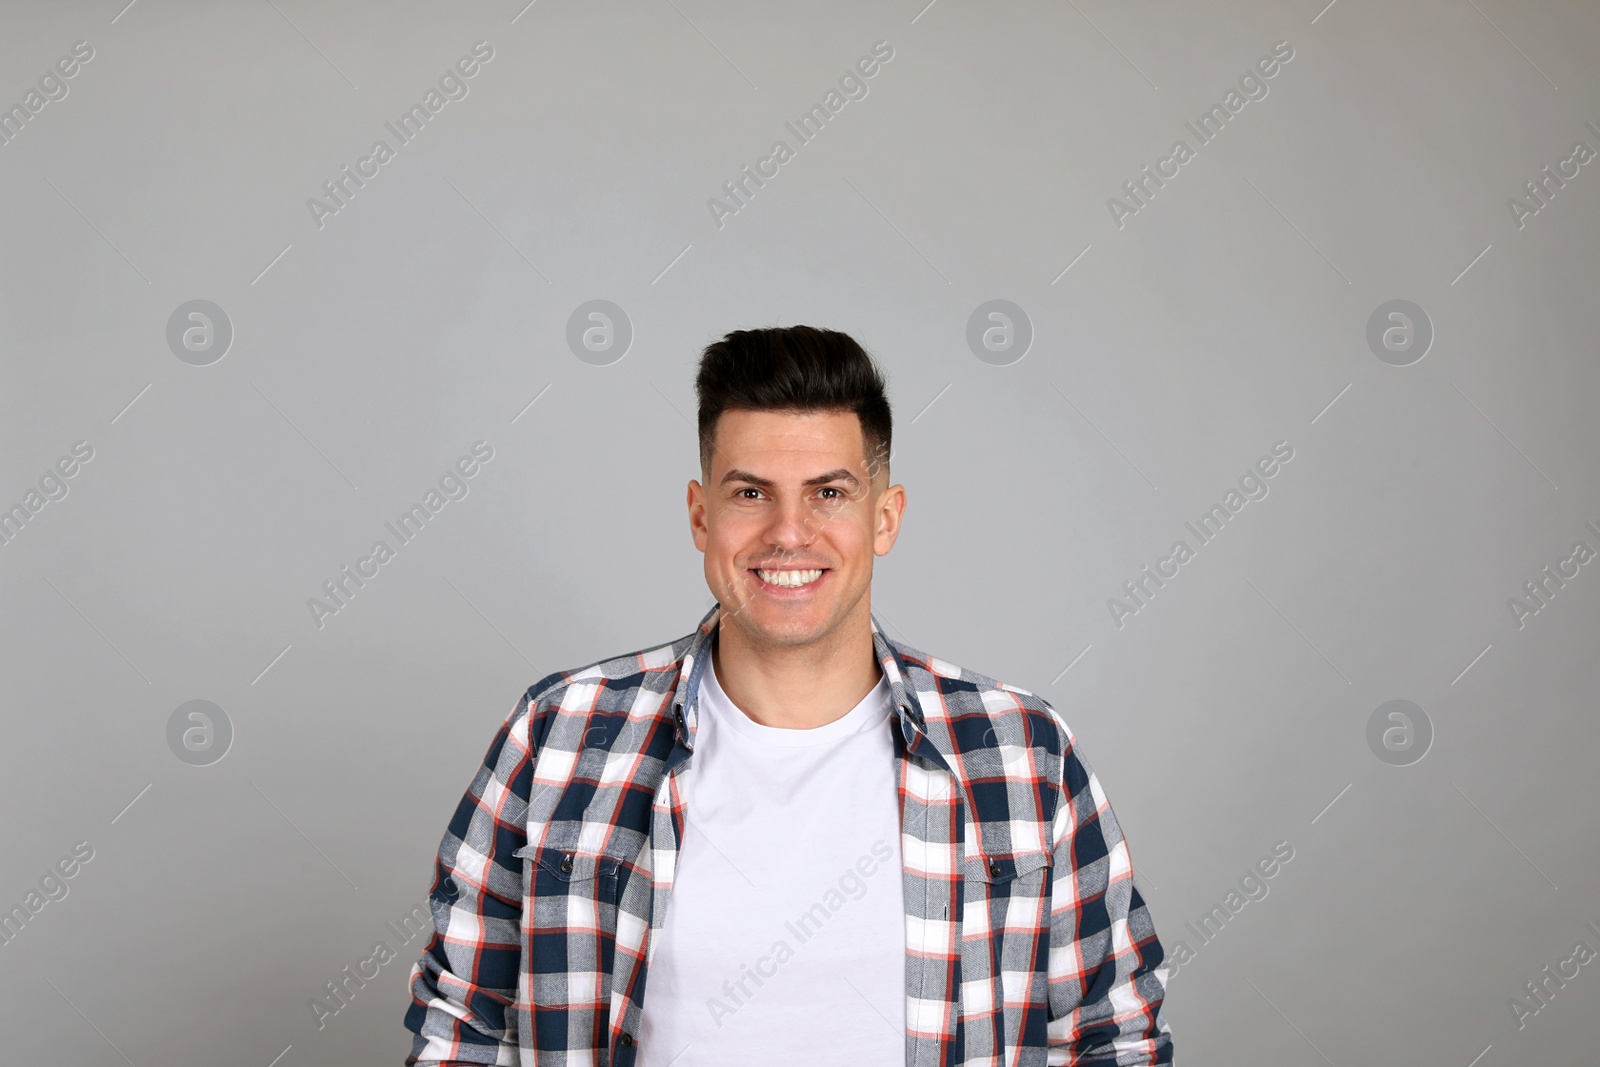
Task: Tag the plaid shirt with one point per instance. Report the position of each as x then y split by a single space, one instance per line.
1027 940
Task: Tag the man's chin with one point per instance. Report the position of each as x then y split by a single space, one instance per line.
774 626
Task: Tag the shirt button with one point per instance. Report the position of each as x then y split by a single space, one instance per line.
994 869
625 1040
566 865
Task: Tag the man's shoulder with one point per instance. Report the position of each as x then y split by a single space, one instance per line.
976 710
609 682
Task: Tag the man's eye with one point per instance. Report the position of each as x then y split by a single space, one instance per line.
838 493
747 489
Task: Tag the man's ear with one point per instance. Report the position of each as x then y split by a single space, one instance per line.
886 519
696 501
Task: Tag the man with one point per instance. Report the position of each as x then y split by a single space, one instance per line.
821 846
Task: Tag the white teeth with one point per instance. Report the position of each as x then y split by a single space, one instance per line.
790 579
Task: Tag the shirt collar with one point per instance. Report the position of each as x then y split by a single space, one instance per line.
686 692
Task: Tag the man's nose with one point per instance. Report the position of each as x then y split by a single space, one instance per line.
794 523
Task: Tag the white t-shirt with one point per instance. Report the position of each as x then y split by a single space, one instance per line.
784 939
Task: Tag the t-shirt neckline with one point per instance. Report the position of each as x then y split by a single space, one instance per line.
867 713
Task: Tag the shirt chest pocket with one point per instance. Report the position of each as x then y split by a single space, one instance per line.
1002 868
559 870
1007 874
1004 950
569 928
1012 889
571 886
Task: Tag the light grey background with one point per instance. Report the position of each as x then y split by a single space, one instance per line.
1228 314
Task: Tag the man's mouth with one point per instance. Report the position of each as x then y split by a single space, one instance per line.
790 579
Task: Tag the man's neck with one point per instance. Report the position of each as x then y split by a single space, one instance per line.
797 687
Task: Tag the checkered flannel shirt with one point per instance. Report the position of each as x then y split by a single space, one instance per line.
1027 940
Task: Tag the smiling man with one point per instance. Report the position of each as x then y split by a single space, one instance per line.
820 844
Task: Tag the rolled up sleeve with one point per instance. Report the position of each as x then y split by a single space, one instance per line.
1106 982
463 989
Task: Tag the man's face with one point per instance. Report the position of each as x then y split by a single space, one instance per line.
790 519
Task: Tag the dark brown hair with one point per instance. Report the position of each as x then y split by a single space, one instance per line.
798 369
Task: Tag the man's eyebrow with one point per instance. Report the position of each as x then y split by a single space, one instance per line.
842 474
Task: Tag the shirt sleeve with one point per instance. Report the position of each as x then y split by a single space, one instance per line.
1106 982
463 989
